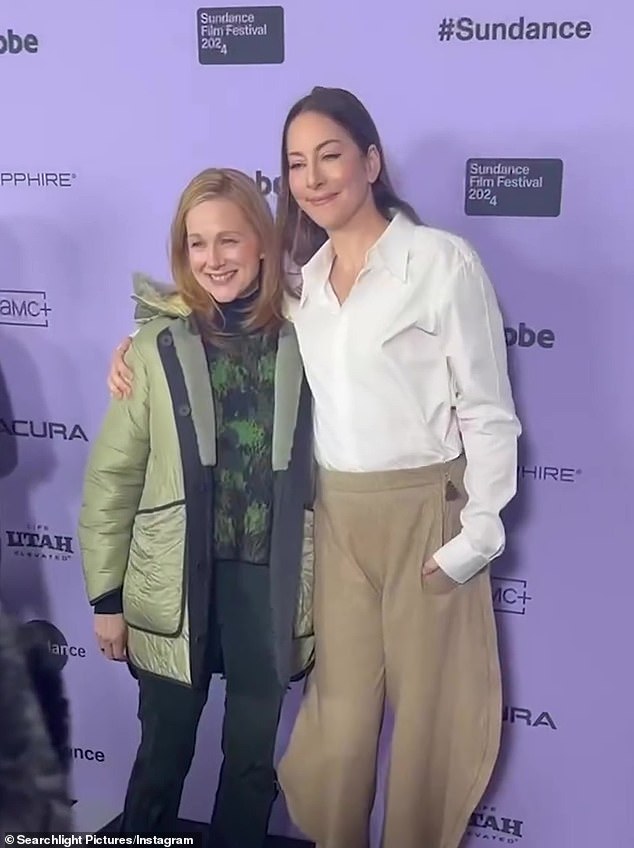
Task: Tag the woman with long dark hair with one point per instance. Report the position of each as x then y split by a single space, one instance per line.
415 439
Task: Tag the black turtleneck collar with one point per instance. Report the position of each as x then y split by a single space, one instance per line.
234 313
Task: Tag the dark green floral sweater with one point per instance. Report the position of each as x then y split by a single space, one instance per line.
242 370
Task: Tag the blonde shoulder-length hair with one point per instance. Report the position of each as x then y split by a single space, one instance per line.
265 313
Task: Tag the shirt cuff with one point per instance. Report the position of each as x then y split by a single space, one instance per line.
110 604
459 560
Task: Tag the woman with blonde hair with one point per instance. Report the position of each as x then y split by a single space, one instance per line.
194 511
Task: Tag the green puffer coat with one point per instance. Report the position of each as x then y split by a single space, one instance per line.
145 521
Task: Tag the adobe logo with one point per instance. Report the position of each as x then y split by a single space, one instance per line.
524 336
266 184
12 43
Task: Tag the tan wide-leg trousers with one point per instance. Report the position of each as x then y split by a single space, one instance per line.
431 647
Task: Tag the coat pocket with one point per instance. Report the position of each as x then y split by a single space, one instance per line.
153 589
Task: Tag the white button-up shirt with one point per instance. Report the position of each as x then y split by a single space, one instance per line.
410 371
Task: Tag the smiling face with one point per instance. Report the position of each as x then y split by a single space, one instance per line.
223 249
329 177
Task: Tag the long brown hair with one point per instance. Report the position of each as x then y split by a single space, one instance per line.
298 235
227 183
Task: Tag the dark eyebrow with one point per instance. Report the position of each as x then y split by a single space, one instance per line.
319 146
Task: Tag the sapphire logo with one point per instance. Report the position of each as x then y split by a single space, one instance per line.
548 473
43 632
23 308
487 823
510 595
37 179
38 541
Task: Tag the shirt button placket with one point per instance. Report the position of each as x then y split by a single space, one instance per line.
342 353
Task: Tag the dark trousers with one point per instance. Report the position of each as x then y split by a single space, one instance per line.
169 715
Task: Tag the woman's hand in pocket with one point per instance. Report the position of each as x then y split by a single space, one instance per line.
434 579
429 567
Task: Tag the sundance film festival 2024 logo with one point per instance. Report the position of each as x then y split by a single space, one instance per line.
240 35
514 187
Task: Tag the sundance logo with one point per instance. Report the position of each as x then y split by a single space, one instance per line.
466 29
45 633
86 754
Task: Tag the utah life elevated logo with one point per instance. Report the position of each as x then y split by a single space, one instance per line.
487 824
38 541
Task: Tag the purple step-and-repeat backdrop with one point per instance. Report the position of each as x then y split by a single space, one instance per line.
510 124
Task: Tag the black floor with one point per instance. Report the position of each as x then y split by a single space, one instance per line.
194 827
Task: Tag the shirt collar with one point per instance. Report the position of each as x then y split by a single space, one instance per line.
316 271
391 251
